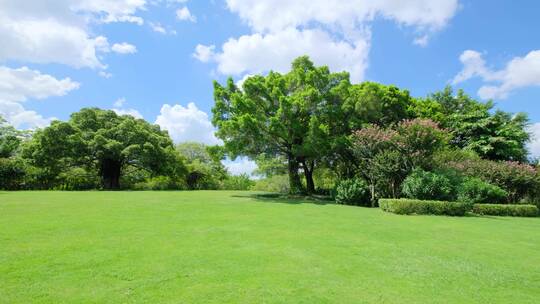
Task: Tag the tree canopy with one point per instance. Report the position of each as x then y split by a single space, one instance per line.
104 141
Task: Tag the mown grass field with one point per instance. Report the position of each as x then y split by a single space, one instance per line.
231 247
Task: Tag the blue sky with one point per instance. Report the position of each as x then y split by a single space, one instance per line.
157 58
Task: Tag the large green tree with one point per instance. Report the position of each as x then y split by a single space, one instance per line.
494 135
288 115
103 141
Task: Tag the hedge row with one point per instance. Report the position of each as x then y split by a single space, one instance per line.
413 206
506 210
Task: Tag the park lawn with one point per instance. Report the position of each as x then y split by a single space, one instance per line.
232 247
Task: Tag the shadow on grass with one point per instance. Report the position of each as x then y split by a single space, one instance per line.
288 199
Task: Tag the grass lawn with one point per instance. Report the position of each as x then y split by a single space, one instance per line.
230 247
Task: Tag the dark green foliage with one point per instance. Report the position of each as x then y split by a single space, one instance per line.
353 192
12 174
425 185
477 191
412 206
102 141
506 210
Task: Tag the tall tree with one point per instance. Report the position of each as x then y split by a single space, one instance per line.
103 140
284 115
474 126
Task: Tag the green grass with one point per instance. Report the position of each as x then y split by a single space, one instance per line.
230 247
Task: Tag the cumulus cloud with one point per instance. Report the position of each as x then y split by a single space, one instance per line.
41 32
19 85
187 124
333 33
534 144
204 53
131 112
258 53
424 14
242 165
518 73
184 14
124 48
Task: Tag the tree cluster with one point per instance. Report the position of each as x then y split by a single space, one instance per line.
312 124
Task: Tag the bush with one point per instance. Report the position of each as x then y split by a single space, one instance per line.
506 210
276 183
237 182
428 186
12 173
77 179
353 192
411 206
476 191
159 183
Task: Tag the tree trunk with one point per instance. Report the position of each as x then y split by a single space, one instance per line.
110 174
308 174
294 179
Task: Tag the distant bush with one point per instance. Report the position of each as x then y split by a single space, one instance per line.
353 192
237 182
428 186
78 179
276 183
506 210
159 183
477 191
12 173
411 206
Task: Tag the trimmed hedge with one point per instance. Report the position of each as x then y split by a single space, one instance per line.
412 206
506 210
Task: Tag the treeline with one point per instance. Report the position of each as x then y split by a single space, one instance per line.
98 149
310 131
362 142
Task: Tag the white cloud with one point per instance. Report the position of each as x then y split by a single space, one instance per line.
59 32
157 27
119 102
184 14
204 53
259 53
187 124
242 165
421 41
104 74
131 112
424 14
334 33
19 85
534 145
124 48
518 73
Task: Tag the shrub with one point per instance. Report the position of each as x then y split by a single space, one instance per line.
477 191
76 179
159 183
411 206
237 182
353 192
276 183
428 186
12 173
519 180
506 210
